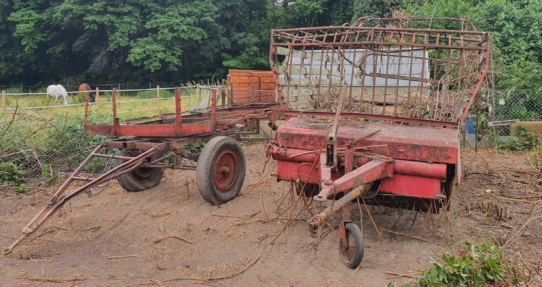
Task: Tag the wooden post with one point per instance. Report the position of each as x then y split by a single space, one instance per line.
158 99
4 101
114 100
97 98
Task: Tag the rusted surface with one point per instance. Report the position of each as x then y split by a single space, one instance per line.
188 124
318 220
224 171
367 173
416 143
397 68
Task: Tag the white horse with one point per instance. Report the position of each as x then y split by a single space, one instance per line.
56 91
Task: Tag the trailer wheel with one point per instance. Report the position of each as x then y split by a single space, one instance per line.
221 170
351 249
141 178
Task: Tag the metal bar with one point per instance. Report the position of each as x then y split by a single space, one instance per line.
371 43
397 29
480 80
178 109
369 172
84 178
354 65
318 220
213 109
399 73
377 117
56 201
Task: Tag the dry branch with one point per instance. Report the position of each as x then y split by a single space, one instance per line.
121 256
201 279
112 226
407 235
394 274
158 240
518 233
56 280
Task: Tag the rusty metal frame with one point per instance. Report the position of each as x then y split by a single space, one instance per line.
318 58
181 125
60 196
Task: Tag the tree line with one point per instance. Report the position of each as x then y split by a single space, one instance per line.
44 41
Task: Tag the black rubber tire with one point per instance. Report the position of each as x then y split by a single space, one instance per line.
141 178
352 256
224 152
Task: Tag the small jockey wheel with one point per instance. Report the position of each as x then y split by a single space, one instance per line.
351 244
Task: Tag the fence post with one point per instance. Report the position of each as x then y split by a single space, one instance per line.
158 98
97 98
4 101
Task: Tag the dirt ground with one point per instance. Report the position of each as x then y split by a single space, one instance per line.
113 238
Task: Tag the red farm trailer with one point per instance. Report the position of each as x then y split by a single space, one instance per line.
144 147
374 111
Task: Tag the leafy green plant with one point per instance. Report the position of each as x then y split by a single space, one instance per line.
483 265
46 172
525 140
11 174
195 148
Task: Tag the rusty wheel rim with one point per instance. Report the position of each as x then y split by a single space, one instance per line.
348 250
225 171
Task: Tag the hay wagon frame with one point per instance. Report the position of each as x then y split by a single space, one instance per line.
378 108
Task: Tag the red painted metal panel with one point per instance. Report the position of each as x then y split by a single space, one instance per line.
407 185
367 173
426 144
432 170
291 171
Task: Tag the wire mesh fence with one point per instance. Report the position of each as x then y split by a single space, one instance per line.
514 109
516 116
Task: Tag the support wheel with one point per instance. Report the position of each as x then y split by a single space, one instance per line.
221 170
141 178
351 248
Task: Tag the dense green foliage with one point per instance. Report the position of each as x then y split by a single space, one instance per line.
142 41
11 174
175 41
516 34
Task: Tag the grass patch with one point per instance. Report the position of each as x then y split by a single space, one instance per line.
144 104
165 94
